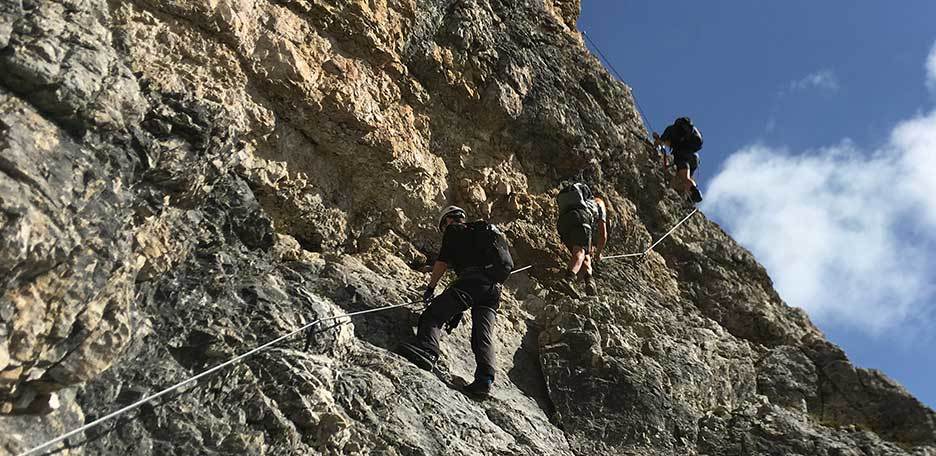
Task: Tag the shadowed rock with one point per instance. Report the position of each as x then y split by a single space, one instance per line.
183 181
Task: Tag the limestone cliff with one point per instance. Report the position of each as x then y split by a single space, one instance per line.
183 180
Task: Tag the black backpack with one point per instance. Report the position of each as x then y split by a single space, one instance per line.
691 137
493 251
574 196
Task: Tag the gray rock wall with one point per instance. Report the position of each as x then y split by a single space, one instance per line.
185 180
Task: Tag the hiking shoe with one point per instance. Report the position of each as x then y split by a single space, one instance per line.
480 387
590 288
687 201
566 286
420 357
695 195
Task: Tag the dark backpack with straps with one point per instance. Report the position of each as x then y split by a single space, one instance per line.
690 136
575 196
492 249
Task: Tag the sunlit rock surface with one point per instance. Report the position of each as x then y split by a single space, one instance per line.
183 180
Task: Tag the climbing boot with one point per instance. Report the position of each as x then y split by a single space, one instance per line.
480 387
422 358
590 288
695 195
566 285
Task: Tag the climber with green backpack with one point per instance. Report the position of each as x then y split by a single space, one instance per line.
582 220
685 142
479 254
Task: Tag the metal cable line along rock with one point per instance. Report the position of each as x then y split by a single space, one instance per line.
203 374
269 344
640 109
229 362
639 254
287 336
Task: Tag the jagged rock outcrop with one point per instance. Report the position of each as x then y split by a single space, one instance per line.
184 180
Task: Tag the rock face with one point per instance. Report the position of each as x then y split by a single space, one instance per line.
184 180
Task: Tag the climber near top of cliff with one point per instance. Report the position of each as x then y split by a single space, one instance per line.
582 217
478 253
685 142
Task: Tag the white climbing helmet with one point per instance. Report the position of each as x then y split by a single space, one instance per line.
448 212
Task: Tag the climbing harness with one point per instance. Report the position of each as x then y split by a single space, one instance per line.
225 364
658 241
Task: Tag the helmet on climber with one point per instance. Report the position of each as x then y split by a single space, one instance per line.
479 255
451 213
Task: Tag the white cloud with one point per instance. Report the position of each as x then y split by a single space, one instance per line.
845 234
931 69
822 79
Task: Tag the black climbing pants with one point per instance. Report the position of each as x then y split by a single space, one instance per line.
483 298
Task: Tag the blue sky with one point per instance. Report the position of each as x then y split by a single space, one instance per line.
819 119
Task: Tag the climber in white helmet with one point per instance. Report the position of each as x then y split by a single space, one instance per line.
477 288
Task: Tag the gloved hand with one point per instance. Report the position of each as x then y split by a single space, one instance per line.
428 294
450 325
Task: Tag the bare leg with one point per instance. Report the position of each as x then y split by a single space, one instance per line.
590 288
588 265
578 258
683 181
